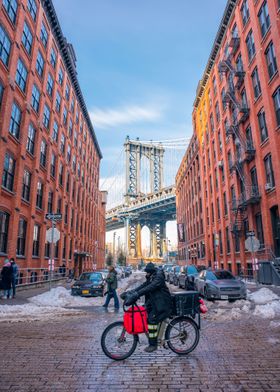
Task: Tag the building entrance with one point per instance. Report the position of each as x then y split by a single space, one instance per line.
275 221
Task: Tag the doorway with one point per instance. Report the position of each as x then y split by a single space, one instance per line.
275 222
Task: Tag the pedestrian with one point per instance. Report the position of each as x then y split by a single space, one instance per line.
6 275
63 269
158 301
14 276
112 284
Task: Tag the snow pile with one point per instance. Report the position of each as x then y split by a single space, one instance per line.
269 310
262 296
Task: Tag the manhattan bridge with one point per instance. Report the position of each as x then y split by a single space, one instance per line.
141 192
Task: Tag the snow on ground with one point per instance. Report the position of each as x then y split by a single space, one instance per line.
262 303
59 302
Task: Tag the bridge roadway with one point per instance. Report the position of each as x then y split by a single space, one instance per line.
153 207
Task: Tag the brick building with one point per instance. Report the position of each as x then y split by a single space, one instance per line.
49 154
233 159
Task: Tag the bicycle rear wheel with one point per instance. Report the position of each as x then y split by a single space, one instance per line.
182 335
116 343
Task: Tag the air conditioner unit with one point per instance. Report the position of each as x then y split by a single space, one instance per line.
268 186
220 164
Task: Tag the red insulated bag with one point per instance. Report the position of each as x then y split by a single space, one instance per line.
135 320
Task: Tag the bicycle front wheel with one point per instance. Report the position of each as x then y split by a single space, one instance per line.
116 343
182 335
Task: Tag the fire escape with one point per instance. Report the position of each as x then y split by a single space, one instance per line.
244 151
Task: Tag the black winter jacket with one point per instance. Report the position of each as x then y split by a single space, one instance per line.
158 300
7 274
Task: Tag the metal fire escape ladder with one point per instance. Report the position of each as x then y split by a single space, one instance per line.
247 152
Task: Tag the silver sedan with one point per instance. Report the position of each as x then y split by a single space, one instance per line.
220 284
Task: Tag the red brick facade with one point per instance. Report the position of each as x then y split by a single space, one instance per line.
236 122
34 52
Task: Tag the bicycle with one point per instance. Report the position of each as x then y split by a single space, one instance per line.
178 333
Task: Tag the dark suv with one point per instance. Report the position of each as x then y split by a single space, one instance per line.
186 277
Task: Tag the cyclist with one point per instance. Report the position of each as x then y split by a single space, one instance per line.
158 301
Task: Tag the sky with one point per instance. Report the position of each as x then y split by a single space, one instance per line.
139 64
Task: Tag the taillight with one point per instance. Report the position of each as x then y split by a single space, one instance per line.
202 306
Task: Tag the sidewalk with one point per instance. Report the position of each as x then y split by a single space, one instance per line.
22 296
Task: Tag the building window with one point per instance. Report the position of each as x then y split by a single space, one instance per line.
15 121
254 181
26 184
271 60
21 75
250 45
43 153
39 196
245 12
225 204
55 131
30 143
269 171
36 240
264 18
5 46
72 105
35 99
70 128
27 38
262 125
57 102
276 99
227 240
53 58
217 111
11 7
32 8
259 229
68 153
1 93
59 205
256 83
214 86
44 35
67 92
61 170
53 164
4 229
8 172
62 143
221 242
60 76
22 225
46 116
50 202
64 119
66 214
40 63
50 83
68 183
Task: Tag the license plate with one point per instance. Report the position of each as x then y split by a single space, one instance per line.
224 296
85 291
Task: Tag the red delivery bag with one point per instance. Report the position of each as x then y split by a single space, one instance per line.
202 306
135 320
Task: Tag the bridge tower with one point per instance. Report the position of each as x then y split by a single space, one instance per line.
135 150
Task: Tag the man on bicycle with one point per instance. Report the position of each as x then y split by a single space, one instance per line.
158 301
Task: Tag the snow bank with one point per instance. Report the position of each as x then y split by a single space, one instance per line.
269 310
263 296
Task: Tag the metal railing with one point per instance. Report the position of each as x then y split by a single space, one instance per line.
33 276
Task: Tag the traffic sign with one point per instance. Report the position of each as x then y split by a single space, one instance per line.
54 217
53 235
252 244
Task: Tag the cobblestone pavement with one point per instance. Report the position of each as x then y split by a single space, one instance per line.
65 355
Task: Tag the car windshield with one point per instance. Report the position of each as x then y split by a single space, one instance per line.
94 277
192 269
223 275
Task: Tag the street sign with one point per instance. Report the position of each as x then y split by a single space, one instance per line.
250 234
252 244
53 237
51 265
54 217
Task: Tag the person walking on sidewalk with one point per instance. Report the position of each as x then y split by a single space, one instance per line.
6 275
15 275
112 284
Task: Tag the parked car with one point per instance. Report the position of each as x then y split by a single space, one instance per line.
173 275
187 276
220 284
89 284
120 272
127 271
104 272
167 270
201 268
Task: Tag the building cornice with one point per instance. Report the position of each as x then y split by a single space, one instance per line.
68 55
230 7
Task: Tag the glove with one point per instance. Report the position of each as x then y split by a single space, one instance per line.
131 298
125 294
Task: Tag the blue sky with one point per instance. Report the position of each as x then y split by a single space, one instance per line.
139 63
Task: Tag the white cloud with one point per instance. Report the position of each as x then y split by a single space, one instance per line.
106 118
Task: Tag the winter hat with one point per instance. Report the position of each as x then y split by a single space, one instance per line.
150 268
7 262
